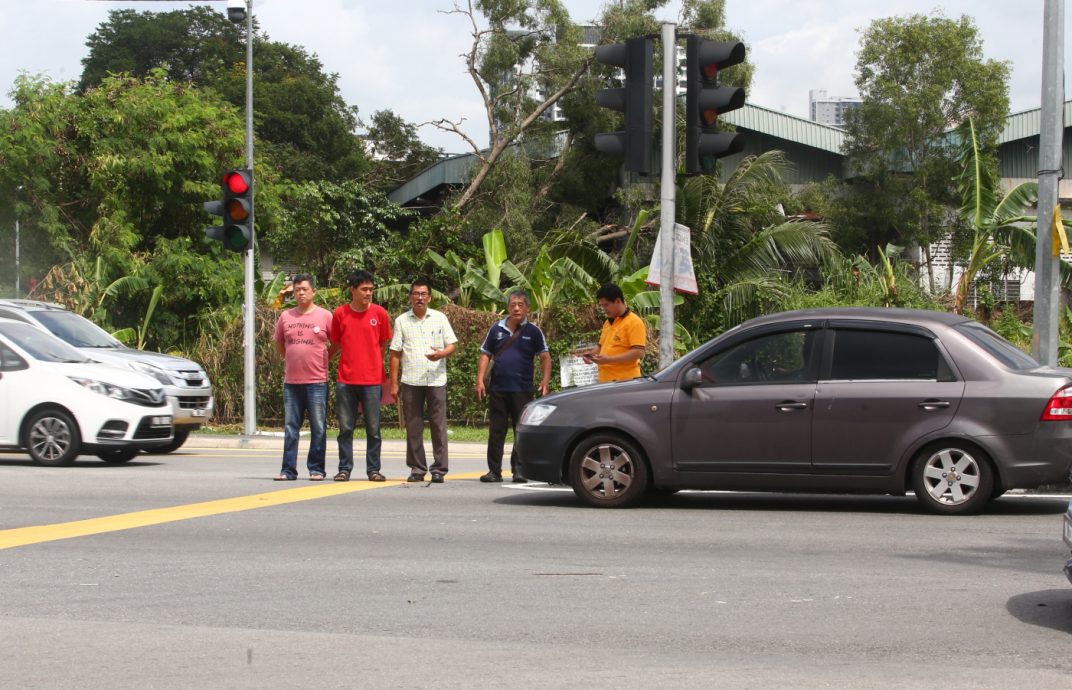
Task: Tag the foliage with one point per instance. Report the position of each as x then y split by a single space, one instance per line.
916 75
298 112
396 151
331 228
744 250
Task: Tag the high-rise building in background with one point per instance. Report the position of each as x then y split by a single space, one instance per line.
829 111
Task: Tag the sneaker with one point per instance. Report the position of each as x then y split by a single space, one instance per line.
437 479
518 479
489 477
415 478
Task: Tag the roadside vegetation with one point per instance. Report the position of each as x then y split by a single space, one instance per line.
107 176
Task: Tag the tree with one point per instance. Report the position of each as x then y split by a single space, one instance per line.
522 62
746 251
299 115
115 178
917 75
396 150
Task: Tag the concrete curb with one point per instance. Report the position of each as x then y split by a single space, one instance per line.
273 442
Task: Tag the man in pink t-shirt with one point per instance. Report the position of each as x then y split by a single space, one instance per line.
302 337
361 331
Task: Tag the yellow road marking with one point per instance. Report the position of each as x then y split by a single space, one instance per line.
24 536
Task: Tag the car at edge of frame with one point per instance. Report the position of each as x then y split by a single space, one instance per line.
56 403
837 400
1068 540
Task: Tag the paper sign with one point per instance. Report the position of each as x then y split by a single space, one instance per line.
684 278
576 372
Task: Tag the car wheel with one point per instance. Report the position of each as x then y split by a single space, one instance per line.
953 478
117 456
180 438
608 471
52 438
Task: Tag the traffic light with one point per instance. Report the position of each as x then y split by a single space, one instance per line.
236 209
705 100
633 99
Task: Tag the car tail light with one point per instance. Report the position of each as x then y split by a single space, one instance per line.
1059 408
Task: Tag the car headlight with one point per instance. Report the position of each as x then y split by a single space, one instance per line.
109 389
150 370
534 415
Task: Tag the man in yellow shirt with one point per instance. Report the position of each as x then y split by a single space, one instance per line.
622 340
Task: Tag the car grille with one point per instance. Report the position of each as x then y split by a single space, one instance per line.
194 402
147 430
192 378
151 397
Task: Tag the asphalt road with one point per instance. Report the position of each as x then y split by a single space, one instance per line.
195 570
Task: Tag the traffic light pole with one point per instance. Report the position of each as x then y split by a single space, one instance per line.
666 196
250 314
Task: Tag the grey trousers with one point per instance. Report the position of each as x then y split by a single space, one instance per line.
414 401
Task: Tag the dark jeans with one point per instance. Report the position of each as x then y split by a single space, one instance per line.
347 398
414 401
503 409
301 400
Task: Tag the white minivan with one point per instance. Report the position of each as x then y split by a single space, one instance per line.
185 382
56 403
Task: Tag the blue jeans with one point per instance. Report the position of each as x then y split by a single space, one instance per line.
347 397
302 400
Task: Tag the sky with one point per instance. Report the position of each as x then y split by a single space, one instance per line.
405 55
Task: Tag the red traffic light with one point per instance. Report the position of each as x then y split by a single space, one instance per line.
236 181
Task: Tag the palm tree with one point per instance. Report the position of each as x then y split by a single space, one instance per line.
745 251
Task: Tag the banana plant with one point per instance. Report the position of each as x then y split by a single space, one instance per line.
137 336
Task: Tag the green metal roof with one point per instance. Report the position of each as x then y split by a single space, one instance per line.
1027 124
789 127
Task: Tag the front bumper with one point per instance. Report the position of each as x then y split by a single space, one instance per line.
190 406
542 452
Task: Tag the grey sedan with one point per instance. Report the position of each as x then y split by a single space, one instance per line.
831 400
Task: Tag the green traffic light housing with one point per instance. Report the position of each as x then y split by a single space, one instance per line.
705 100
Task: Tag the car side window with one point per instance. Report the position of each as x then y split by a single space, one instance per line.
773 358
885 355
10 360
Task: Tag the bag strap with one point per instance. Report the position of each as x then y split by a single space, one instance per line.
509 341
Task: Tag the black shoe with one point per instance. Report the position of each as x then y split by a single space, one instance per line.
416 478
437 479
490 477
518 479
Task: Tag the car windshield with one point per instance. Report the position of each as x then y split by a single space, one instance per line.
40 345
75 330
997 347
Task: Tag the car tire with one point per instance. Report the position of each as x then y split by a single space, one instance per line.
176 442
117 456
52 438
953 478
608 471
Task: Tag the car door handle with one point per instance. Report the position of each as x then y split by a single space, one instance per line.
788 405
934 404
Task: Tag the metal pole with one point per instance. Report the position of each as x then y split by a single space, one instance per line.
666 226
250 387
16 257
1047 295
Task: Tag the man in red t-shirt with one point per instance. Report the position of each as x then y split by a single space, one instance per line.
302 336
360 330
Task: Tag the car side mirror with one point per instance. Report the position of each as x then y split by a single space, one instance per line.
692 378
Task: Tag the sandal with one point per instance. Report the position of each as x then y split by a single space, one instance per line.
316 477
342 476
284 478
377 477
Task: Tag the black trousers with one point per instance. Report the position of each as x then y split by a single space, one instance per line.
503 409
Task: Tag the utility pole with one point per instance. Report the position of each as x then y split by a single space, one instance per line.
1047 294
667 198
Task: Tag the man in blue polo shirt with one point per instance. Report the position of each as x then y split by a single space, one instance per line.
513 343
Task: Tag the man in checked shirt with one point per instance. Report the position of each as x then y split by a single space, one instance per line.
422 341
